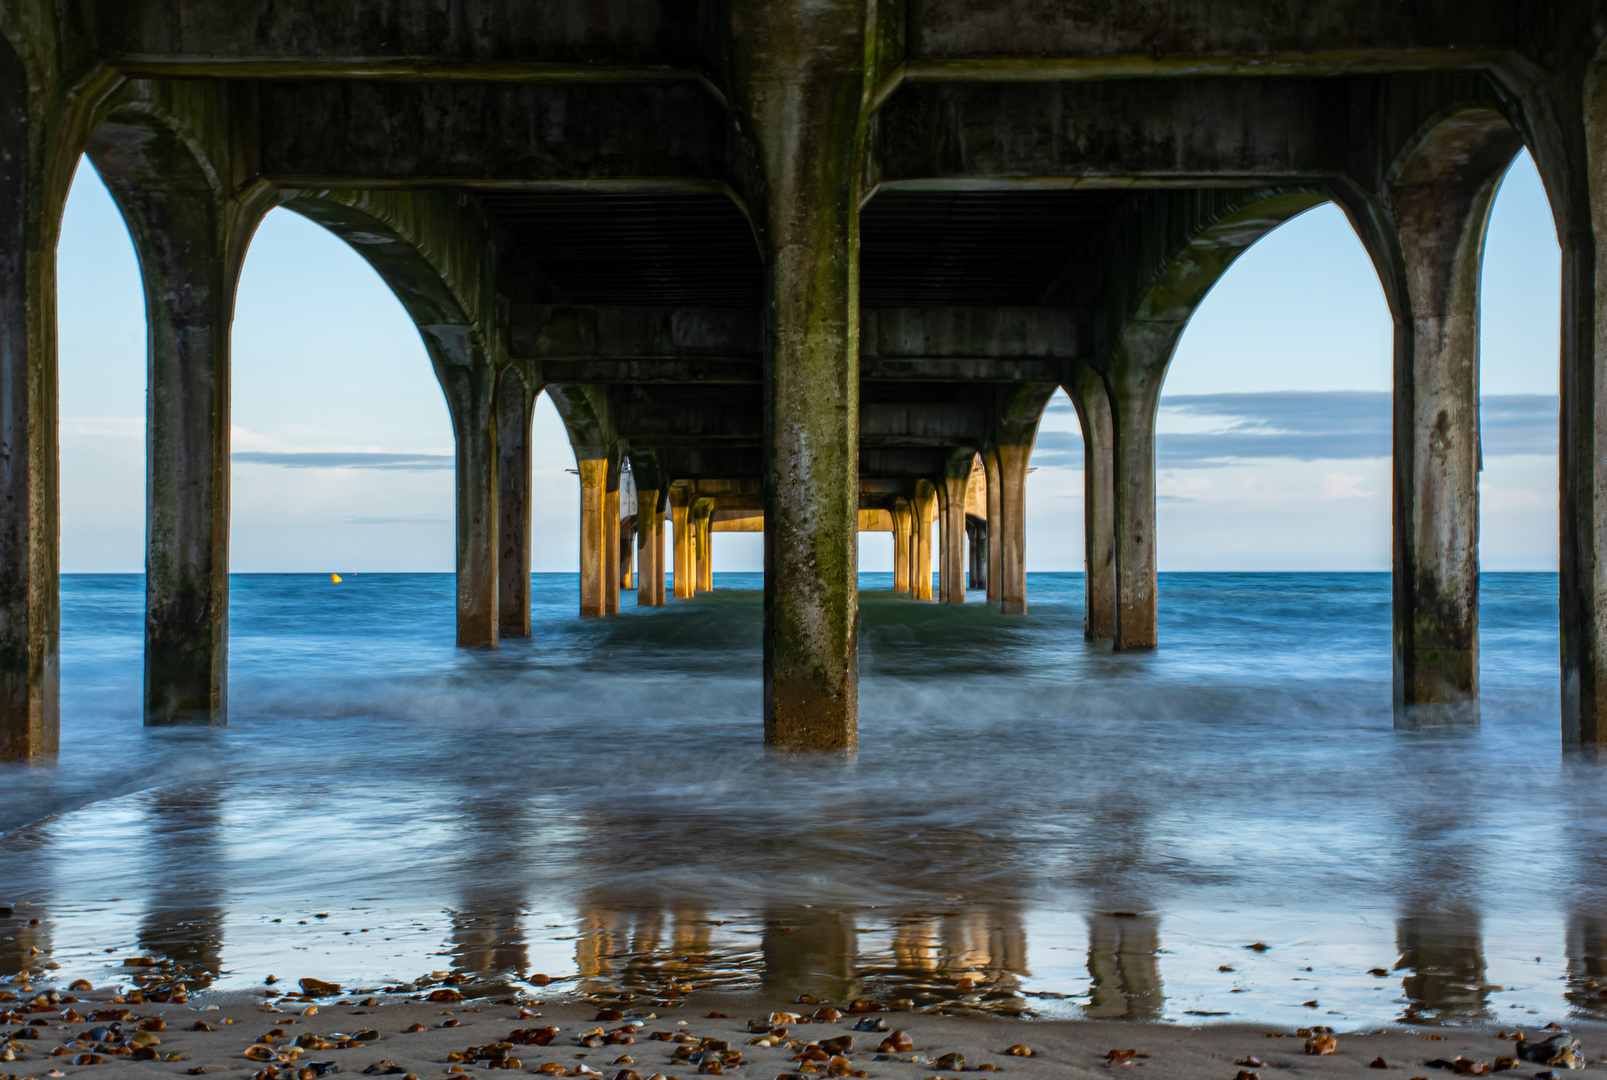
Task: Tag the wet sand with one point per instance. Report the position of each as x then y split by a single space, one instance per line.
642 1036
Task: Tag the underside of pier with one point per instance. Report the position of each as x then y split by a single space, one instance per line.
799 266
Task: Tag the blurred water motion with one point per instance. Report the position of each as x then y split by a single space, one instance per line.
1033 824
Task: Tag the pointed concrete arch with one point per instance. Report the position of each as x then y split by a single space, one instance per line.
1170 249
190 222
440 266
1422 220
584 409
52 95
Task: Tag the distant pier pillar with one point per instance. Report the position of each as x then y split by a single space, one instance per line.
1087 392
608 567
1134 405
903 534
976 532
685 583
990 467
593 535
1440 200
925 513
516 398
703 519
649 549
799 82
1013 457
954 531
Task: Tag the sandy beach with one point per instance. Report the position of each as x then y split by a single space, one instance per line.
296 1036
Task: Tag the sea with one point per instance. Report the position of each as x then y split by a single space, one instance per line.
1229 828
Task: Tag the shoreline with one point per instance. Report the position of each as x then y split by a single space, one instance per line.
419 1037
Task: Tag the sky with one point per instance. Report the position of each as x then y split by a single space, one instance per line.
1273 445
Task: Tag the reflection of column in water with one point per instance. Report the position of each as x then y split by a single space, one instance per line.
983 938
626 946
494 829
487 939
1587 962
810 951
1444 953
25 940
1125 975
184 913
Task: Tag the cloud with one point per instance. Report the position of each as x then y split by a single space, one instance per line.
1338 425
398 521
345 460
1339 486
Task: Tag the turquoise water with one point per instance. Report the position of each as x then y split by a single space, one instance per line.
1093 834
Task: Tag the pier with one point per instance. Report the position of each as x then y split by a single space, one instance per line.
804 268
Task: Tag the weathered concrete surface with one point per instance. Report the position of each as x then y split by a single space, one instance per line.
190 236
923 513
595 555
516 398
51 95
801 90
685 575
1441 199
903 537
990 466
703 543
954 498
609 557
1088 395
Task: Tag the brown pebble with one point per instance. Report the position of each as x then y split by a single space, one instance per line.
1378 1063
1018 1050
1322 1044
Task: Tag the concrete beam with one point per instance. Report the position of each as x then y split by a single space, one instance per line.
944 136
374 132
1038 39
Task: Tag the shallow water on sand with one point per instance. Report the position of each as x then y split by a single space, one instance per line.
1090 834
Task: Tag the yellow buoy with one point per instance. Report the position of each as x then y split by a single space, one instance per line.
334 579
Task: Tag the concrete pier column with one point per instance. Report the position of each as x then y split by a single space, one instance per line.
516 400
954 532
990 466
940 555
1013 458
32 194
189 287
593 535
190 240
903 531
470 394
1136 398
1441 201
799 85
703 518
1087 392
685 583
627 553
925 513
649 549
976 532
609 562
